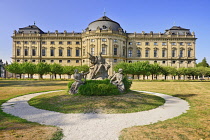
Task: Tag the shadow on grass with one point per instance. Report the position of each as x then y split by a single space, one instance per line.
31 83
184 96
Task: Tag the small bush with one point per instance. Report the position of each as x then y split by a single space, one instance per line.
100 87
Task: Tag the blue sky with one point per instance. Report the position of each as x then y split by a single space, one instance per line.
133 16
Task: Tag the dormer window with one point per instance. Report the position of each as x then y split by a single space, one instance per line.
104 27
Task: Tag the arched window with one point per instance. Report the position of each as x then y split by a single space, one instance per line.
173 53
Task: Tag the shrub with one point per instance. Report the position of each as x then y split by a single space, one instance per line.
100 87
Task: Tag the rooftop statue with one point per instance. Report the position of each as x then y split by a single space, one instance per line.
98 68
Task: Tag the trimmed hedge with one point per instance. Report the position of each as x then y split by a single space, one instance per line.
101 87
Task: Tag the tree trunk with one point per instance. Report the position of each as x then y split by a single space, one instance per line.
165 77
60 76
55 76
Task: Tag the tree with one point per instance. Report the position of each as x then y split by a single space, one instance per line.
155 70
69 70
202 71
183 71
203 63
16 68
122 65
29 68
173 72
42 68
56 69
165 71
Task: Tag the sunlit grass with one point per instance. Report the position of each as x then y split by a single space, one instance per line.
193 125
13 128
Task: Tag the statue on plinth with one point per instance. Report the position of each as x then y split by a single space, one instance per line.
78 81
117 80
99 68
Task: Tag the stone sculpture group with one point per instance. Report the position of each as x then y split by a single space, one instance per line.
98 71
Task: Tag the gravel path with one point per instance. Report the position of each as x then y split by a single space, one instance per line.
94 126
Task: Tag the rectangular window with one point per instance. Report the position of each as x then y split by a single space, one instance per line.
115 40
147 43
138 43
163 62
43 52
163 43
68 42
188 62
155 53
181 43
44 61
115 60
92 40
77 43
25 42
18 52
138 53
92 51
18 60
52 52
155 43
68 61
103 39
52 42
103 50
18 42
189 44
181 53
33 52
147 53
43 42
189 53
60 61
60 42
69 52
60 52
77 61
181 62
115 51
163 53
33 42
33 60
26 52
130 53
52 61
173 43
130 43
77 52
173 53
173 62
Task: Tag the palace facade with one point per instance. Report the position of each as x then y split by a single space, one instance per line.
175 47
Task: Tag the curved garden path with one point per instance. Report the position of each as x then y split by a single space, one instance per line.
94 126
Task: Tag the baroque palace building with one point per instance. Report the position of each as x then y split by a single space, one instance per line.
175 47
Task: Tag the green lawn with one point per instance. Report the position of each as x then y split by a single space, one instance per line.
125 103
193 125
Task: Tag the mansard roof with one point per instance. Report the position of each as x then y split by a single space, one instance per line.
30 29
